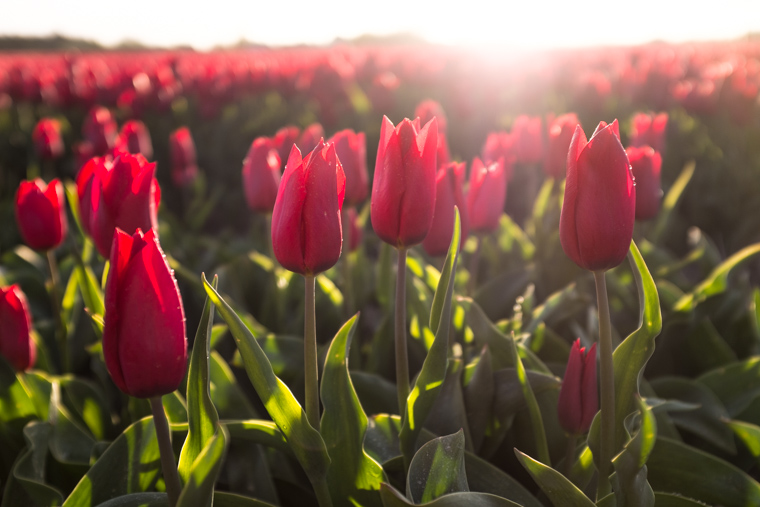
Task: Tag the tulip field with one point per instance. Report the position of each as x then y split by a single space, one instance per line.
381 276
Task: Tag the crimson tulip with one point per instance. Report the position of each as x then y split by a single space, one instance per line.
403 191
649 130
182 147
135 137
500 145
284 139
16 344
41 213
144 341
578 399
47 139
561 132
261 175
527 132
646 164
310 137
448 193
306 230
426 111
351 149
596 223
486 195
100 130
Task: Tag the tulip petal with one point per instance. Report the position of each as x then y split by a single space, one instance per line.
287 228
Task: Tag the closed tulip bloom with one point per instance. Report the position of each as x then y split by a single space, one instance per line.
47 139
144 341
646 164
284 139
403 191
183 157
500 145
261 175
306 230
561 132
486 195
41 213
578 399
426 111
596 223
448 193
135 137
527 132
99 130
351 149
16 344
124 194
649 130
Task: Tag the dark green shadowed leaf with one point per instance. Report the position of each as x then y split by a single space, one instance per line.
265 433
479 397
674 500
736 385
560 490
437 469
138 500
671 199
392 498
749 434
224 499
199 487
353 478
26 485
632 488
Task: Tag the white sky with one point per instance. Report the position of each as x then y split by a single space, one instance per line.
514 23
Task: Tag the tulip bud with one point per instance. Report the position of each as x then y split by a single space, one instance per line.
560 134
16 344
47 139
284 139
144 341
357 233
403 191
184 168
646 164
100 130
426 111
136 138
596 223
124 194
649 130
351 149
306 231
261 175
486 195
41 213
500 145
448 193
578 399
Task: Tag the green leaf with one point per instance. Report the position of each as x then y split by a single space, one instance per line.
92 294
385 278
376 394
678 468
675 500
131 464
87 405
717 281
306 442
26 484
735 385
479 397
486 334
497 295
671 199
224 499
749 434
138 500
228 397
260 432
632 488
202 416
199 487
449 414
560 490
354 477
553 304
433 372
437 469
392 498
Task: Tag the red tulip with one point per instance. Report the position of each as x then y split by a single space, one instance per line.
356 232
578 399
306 229
41 213
646 164
403 191
184 168
284 139
448 193
500 145
561 132
123 194
47 139
310 137
100 130
16 344
351 149
596 224
261 175
144 341
136 138
527 132
83 152
486 195
649 130
429 109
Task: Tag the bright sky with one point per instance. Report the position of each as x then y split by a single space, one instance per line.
514 23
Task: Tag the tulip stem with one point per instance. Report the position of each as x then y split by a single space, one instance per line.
607 377
567 466
55 282
402 357
168 463
310 354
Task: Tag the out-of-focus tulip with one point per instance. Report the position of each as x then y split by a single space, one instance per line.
646 164
429 109
596 224
83 152
310 137
99 130
356 233
41 213
561 132
284 139
578 399
649 130
500 145
527 133
16 344
136 138
184 168
47 139
403 190
351 149
144 341
486 195
261 175
123 194
306 229
448 193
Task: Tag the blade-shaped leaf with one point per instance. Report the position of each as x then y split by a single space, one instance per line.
736 385
199 487
479 397
560 490
671 199
392 498
26 485
632 489
437 469
138 500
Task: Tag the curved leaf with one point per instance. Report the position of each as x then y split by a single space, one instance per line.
560 490
632 488
392 498
265 433
138 500
199 490
736 385
26 485
224 499
437 469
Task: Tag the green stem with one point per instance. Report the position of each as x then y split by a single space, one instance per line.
323 493
474 261
348 288
55 293
567 466
607 379
168 464
402 357
310 354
